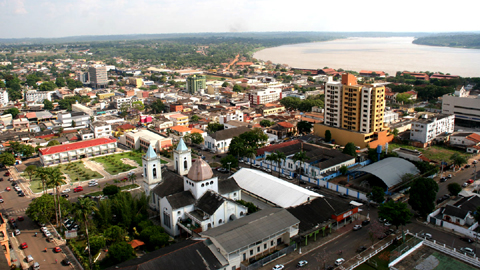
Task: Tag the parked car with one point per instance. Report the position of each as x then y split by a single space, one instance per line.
29 258
78 189
57 249
20 218
388 224
443 179
470 181
468 239
24 245
302 263
8 189
339 261
449 176
17 232
467 166
66 262
44 229
7 173
92 184
278 267
66 190
357 227
36 266
365 222
468 251
1 200
426 235
465 184
21 194
65 195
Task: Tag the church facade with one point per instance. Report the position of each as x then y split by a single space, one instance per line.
190 197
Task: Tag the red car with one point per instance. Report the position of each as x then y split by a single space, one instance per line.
78 189
24 245
8 189
20 218
7 173
12 220
470 181
57 249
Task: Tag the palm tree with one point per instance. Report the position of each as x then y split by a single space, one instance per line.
43 174
281 157
273 157
237 148
300 156
132 177
56 179
83 209
250 153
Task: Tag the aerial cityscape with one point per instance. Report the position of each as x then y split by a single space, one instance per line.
168 141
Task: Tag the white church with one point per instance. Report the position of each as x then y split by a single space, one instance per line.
191 197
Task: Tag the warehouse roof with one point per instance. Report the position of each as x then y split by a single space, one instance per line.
273 189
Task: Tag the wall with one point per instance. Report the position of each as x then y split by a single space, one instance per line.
343 137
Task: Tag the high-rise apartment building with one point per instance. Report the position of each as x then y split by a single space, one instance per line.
195 83
98 76
355 107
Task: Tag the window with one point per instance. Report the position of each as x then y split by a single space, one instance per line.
264 246
166 219
271 243
185 166
154 172
251 252
258 249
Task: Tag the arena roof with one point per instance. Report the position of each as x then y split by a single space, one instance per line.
390 170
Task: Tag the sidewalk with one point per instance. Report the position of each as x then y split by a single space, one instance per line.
312 245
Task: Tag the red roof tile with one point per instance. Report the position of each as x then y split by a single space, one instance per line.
286 125
126 126
74 146
272 148
474 137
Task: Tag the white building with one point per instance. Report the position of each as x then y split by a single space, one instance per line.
73 119
254 236
195 202
101 129
144 138
38 96
220 140
465 108
119 101
427 129
75 151
333 104
230 115
265 96
82 108
3 97
390 117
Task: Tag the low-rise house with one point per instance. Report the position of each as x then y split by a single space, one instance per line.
468 141
21 125
122 129
73 119
283 130
75 151
220 140
271 109
101 129
178 119
268 231
38 96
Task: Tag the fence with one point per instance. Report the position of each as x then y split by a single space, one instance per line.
366 258
319 182
270 258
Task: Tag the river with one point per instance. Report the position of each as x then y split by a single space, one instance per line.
382 54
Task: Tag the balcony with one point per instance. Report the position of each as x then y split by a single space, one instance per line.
189 226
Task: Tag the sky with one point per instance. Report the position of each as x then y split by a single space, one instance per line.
61 18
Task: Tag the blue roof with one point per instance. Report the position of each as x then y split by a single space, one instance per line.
150 152
181 145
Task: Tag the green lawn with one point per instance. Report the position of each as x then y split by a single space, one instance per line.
436 153
113 165
133 155
76 171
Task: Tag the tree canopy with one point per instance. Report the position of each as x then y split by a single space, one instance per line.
304 127
377 194
349 149
454 188
423 192
397 213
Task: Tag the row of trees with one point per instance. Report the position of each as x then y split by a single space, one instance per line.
295 103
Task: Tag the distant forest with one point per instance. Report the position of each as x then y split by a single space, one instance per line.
462 41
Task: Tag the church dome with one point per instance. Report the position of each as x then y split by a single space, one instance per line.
200 171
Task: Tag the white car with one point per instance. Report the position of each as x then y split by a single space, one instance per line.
47 234
426 235
339 261
92 184
278 267
302 263
67 190
17 232
18 189
44 229
29 258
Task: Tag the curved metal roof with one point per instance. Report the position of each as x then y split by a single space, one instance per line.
390 170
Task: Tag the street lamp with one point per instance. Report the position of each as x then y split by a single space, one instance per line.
229 167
